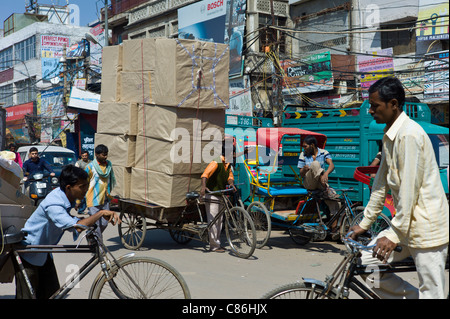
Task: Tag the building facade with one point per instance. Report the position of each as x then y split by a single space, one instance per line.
32 79
319 53
408 39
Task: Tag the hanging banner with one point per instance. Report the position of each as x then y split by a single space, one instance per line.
51 51
51 112
374 67
240 97
436 74
97 49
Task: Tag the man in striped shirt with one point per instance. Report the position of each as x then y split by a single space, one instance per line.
101 182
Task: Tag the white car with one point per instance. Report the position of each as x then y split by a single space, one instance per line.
56 156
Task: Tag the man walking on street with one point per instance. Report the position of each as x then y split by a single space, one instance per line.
101 182
409 170
217 176
84 161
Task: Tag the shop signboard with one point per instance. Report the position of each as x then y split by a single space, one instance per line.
309 74
432 20
15 122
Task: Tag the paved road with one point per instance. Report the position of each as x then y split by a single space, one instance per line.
217 275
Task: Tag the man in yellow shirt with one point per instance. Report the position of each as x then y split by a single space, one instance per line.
421 224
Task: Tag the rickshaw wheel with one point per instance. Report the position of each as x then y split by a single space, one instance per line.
178 235
299 236
261 219
133 227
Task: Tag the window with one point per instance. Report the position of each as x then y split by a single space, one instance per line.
25 91
25 50
402 42
6 59
6 95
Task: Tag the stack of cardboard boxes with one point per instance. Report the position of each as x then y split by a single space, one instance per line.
15 209
162 115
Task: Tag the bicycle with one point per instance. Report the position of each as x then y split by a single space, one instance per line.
127 277
310 225
343 280
239 227
260 217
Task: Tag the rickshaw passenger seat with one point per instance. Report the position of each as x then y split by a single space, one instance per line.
283 191
279 180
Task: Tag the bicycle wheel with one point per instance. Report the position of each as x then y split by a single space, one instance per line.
299 290
261 219
141 278
377 227
240 232
133 228
347 220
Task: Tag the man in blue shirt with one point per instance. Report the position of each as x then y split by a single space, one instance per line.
36 164
46 227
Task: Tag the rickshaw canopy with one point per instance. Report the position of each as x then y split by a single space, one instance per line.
272 136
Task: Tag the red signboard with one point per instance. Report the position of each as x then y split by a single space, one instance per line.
18 112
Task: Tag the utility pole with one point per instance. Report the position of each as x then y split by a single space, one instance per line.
63 60
106 24
276 83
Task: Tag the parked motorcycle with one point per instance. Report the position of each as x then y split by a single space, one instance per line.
39 186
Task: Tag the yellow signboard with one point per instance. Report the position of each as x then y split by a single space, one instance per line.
432 20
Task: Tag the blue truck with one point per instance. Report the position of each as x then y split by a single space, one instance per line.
354 139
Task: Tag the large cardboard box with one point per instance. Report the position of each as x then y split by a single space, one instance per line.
123 180
136 87
111 67
175 157
13 218
12 195
121 148
9 177
117 118
139 54
179 62
112 59
166 122
162 189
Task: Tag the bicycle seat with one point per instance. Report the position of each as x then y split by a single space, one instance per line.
192 195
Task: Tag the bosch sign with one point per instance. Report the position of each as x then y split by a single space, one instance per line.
215 4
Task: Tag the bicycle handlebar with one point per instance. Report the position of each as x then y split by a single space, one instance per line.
360 246
224 190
